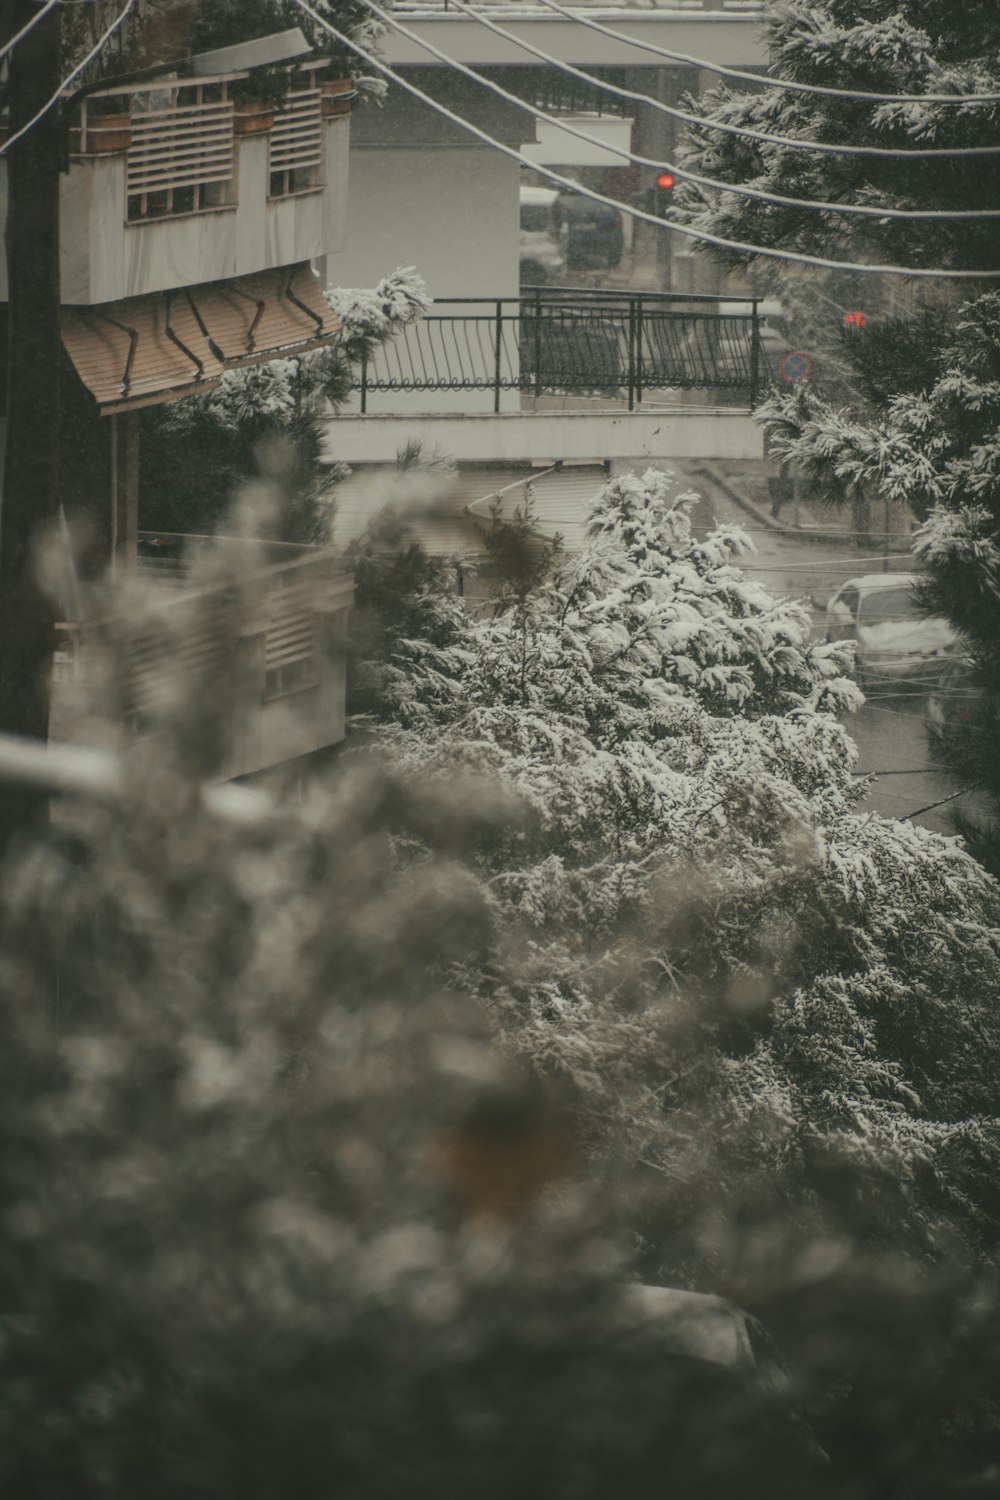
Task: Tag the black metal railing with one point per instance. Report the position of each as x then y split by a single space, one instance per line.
628 347
557 92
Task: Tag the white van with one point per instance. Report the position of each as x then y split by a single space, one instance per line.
542 253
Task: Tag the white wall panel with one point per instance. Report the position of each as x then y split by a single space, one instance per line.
452 213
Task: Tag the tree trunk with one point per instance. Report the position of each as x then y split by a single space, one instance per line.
30 501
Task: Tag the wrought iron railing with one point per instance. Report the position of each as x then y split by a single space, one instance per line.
561 93
625 346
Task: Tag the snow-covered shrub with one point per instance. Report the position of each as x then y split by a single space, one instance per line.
690 840
372 314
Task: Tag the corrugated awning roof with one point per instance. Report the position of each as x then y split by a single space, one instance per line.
143 350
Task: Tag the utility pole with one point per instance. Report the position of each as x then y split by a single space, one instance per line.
29 505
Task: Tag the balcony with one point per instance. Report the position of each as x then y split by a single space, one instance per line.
565 374
256 630
556 343
726 31
176 182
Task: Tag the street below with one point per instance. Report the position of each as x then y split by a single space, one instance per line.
890 730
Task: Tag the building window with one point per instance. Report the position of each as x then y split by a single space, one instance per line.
181 154
295 163
291 654
293 677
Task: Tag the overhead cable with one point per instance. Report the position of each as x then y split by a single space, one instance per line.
823 90
50 103
910 771
701 235
28 26
919 811
836 563
866 211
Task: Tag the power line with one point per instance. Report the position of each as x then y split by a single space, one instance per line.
714 183
822 90
815 533
829 562
920 692
818 566
69 79
701 235
28 26
940 803
894 153
910 771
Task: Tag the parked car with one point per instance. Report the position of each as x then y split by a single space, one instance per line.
542 256
700 1333
593 232
894 638
706 1327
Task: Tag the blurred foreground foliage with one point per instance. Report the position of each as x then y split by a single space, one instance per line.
335 1121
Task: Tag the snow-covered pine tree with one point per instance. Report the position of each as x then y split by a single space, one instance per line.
692 917
922 429
870 46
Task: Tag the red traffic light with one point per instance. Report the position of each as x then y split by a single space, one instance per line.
665 181
855 320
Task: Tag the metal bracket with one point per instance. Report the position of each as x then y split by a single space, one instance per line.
258 302
172 336
320 326
133 340
201 324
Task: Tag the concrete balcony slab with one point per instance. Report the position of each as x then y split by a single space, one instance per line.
588 435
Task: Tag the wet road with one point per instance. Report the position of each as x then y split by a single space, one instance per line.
889 730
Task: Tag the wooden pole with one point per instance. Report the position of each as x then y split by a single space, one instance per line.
29 504
125 499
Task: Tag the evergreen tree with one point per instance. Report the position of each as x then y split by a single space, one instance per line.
873 46
921 430
687 836
774 1017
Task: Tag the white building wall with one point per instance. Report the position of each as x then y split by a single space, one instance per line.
556 147
104 258
446 210
544 437
719 36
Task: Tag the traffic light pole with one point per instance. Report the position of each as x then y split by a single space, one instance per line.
666 91
29 504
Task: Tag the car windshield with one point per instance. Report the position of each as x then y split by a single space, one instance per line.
890 604
535 216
